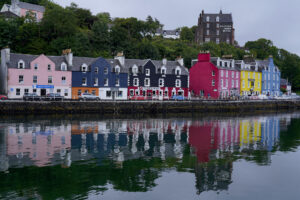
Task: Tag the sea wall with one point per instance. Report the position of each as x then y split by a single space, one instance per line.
146 107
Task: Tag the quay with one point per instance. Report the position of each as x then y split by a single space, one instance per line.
145 107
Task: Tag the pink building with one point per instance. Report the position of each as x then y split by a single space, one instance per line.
40 74
22 9
204 77
229 77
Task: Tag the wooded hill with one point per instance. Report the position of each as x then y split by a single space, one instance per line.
100 35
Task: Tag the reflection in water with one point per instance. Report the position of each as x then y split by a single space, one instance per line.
131 154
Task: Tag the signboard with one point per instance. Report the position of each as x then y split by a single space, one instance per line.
11 89
43 86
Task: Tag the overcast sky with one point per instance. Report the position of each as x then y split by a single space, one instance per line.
277 20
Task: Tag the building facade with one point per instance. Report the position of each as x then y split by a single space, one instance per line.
100 78
170 34
251 77
204 77
23 9
270 77
215 28
22 74
153 79
229 77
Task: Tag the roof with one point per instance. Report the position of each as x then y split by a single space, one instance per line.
212 17
15 58
8 14
168 32
30 6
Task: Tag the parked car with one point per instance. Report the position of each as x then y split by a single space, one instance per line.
88 96
31 97
178 97
262 96
54 97
3 97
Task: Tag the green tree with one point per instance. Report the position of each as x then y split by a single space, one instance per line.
186 34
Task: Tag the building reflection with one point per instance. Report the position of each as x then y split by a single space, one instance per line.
214 142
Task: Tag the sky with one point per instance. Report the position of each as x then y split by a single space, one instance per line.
277 20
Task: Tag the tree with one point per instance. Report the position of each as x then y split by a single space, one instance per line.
186 34
100 36
85 19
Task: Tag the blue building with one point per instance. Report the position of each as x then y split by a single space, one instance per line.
270 77
99 77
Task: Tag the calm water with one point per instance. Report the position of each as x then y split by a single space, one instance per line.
255 157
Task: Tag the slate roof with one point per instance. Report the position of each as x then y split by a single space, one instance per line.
30 6
222 17
215 59
15 58
8 14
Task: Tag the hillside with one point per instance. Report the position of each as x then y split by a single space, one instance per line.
100 35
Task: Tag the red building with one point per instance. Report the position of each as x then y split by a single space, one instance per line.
204 77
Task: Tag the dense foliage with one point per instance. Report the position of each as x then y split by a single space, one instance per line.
100 35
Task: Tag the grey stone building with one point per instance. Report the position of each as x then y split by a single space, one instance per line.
215 28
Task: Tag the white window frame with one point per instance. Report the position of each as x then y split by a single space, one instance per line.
135 70
50 80
106 82
147 82
213 82
84 81
36 66
222 73
63 67
147 72
63 80
21 81
163 71
96 81
117 82
117 69
178 83
19 64
96 70
135 82
161 82
207 18
33 78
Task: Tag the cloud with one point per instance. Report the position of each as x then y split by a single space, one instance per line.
276 20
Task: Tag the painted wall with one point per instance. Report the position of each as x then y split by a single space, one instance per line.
201 77
42 74
229 82
271 80
246 87
39 15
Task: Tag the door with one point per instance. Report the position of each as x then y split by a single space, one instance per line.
43 92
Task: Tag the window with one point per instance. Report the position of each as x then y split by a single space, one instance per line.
49 79
108 93
95 81
84 68
117 69
161 82
96 70
34 90
147 72
178 71
35 66
217 19
58 91
207 39
131 92
49 67
226 82
249 74
178 83
218 32
226 74
136 92
93 92
120 93
105 70
243 83
34 79
84 81
213 83
232 83
207 18
217 40
26 91
258 84
232 74
213 73
63 80
207 25
18 91
63 67
147 82
237 75
21 79
243 74
79 92
218 25
221 83
117 82
135 82
222 73
105 82
66 92
166 93
207 32
227 41
163 71
21 64
135 70
236 83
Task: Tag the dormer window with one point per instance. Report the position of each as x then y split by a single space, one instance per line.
84 68
117 69
134 70
178 71
63 67
163 71
35 66
147 72
21 64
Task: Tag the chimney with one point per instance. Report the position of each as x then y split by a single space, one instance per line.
5 55
121 58
202 12
164 61
204 56
68 56
221 12
180 61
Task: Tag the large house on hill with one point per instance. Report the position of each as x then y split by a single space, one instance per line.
22 9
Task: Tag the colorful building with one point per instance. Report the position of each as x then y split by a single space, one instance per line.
270 77
22 74
250 77
153 79
229 77
99 77
23 9
204 77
